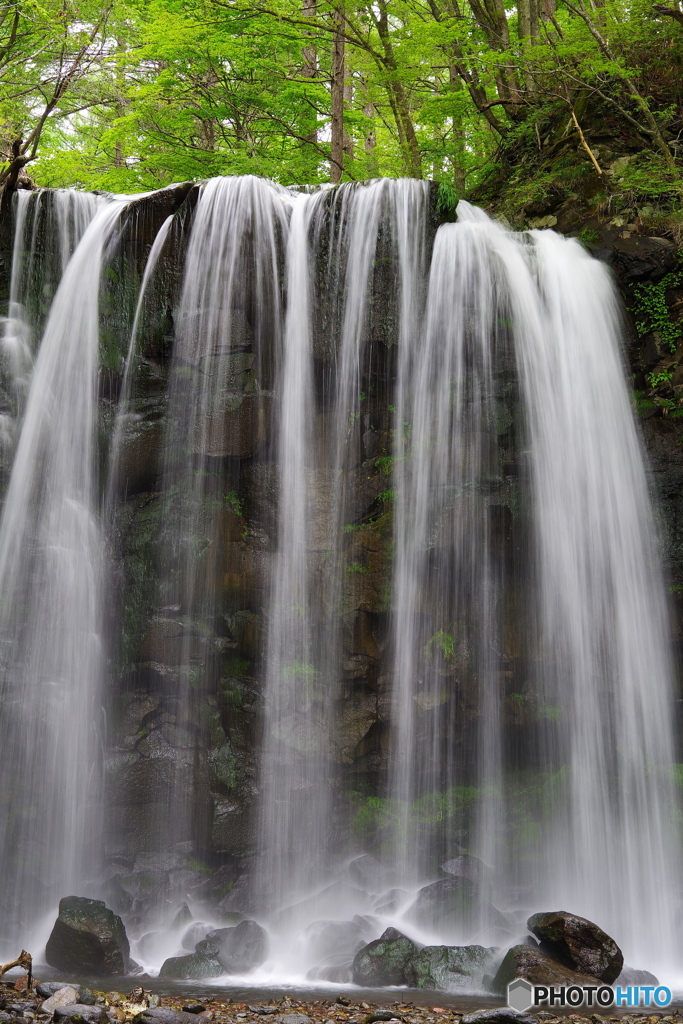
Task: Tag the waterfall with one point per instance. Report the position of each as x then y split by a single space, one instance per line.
393 611
50 619
122 410
314 601
227 325
54 223
524 519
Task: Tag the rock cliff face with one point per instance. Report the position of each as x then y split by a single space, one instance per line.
149 739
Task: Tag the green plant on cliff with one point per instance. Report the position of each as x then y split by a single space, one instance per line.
651 310
655 379
446 201
443 641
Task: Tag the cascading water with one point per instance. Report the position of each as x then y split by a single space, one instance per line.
54 225
596 686
122 410
304 695
50 619
227 325
400 471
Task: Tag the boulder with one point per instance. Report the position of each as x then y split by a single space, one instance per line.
62 995
632 976
164 1015
48 988
367 873
88 938
447 967
453 906
194 934
500 1015
239 949
80 1012
578 944
194 966
535 967
333 945
466 866
386 961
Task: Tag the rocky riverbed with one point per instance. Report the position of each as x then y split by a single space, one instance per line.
143 1007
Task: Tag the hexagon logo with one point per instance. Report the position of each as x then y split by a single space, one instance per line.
520 996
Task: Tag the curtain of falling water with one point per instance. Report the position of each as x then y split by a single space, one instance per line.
596 690
293 801
602 617
329 320
51 585
227 324
122 410
448 576
47 228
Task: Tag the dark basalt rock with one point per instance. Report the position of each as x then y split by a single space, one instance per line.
386 961
453 904
81 1012
535 967
88 938
632 976
164 1015
194 967
578 944
640 258
48 988
442 967
501 1015
239 949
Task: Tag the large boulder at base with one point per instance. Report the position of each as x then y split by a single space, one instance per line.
578 944
194 967
449 967
452 906
239 949
88 938
386 961
534 966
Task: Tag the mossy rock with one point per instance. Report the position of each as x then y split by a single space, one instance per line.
386 961
443 967
193 967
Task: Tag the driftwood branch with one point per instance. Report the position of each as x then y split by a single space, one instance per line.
24 960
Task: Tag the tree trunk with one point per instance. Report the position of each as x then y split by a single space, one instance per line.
310 70
337 98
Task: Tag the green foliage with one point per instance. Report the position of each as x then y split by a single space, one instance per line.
663 377
652 312
132 96
236 503
356 567
589 237
446 201
385 464
300 669
445 642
